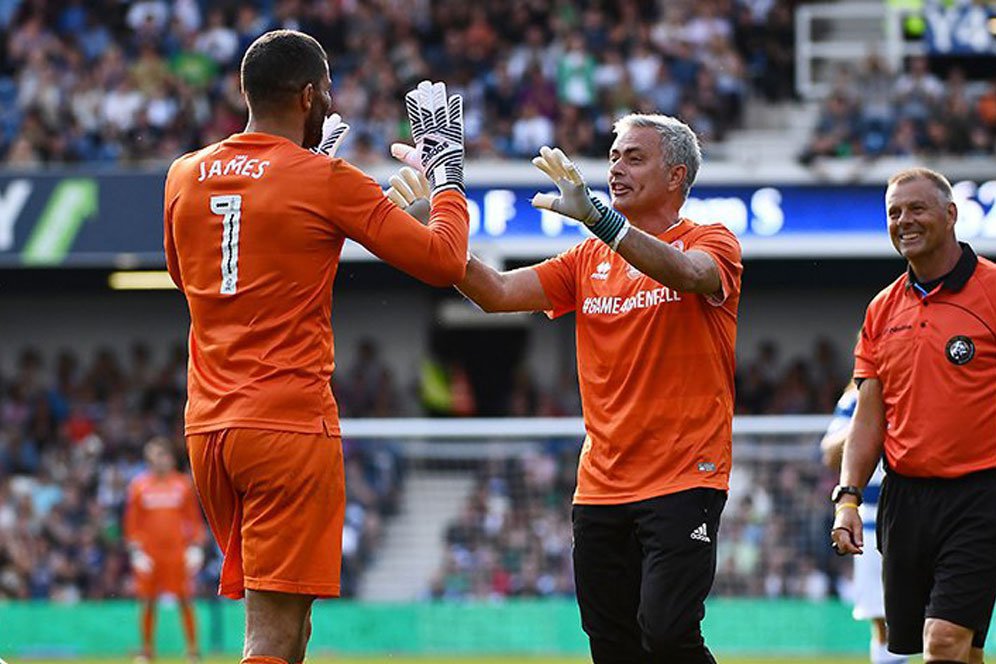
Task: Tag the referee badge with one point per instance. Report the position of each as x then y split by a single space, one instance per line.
959 350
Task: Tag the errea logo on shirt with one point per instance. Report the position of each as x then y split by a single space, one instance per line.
602 271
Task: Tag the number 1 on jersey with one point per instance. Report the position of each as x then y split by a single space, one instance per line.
230 208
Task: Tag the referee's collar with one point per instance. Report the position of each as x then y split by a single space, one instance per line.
954 280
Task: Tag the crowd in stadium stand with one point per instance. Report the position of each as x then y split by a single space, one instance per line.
72 431
513 536
875 112
114 81
71 438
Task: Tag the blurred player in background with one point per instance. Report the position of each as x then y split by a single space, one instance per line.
869 603
656 307
924 365
164 531
254 226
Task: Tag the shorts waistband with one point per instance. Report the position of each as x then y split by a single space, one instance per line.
987 475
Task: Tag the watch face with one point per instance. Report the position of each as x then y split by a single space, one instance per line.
839 491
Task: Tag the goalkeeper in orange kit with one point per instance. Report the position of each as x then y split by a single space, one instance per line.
253 229
165 532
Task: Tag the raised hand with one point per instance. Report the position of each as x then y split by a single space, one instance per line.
437 131
575 200
334 131
410 191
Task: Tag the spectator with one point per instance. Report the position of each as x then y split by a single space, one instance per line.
836 131
531 131
917 90
218 41
368 389
576 74
643 66
986 106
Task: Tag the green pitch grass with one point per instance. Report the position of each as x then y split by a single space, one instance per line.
438 659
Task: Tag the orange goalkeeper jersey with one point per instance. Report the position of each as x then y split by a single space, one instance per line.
162 516
254 226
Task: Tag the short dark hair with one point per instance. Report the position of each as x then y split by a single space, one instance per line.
278 65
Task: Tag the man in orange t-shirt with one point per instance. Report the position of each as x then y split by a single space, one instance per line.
925 365
164 531
656 317
253 229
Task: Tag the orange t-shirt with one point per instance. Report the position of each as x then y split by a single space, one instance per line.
162 516
655 368
254 226
935 355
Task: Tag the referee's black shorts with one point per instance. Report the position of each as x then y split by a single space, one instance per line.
938 544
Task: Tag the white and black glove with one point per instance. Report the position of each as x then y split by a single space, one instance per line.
193 558
334 130
575 199
140 560
437 131
410 191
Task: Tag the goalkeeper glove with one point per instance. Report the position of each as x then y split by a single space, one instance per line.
334 130
140 561
575 199
410 191
193 558
437 131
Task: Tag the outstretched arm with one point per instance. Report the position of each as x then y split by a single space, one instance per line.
687 271
435 253
494 291
491 290
863 447
692 271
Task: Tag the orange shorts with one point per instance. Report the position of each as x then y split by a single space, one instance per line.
275 502
168 575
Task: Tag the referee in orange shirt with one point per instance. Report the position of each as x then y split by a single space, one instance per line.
656 316
926 364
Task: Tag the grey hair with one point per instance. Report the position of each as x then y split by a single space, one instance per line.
940 182
679 144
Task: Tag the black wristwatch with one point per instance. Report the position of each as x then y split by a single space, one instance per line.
839 491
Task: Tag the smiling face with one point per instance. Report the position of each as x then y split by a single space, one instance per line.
921 220
640 179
